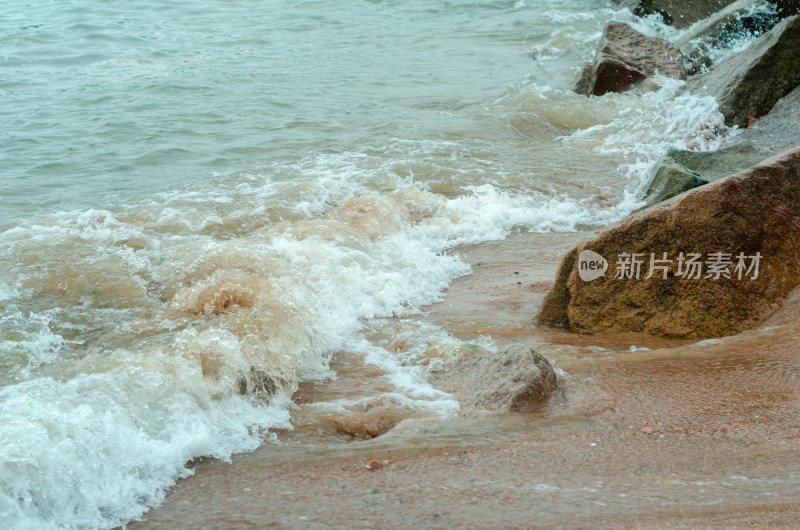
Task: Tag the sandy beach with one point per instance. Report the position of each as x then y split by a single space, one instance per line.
673 436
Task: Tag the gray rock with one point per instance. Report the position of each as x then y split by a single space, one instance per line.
749 83
517 379
774 133
626 57
777 131
670 178
584 84
713 165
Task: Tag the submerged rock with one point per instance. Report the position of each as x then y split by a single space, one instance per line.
517 379
749 83
626 57
714 261
714 165
681 170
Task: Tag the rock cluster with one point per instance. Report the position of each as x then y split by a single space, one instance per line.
748 84
716 250
681 170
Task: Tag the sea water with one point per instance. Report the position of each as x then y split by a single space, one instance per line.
203 202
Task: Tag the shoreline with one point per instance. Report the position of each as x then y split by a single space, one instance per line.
718 410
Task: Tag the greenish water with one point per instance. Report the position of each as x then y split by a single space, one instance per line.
111 101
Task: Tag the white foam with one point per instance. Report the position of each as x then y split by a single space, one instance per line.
654 122
96 450
738 40
96 433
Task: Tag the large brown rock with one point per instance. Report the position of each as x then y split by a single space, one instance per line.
516 379
749 83
753 212
626 57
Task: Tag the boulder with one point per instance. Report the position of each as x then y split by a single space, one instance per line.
583 85
670 178
749 83
714 165
517 379
732 257
681 170
777 131
626 57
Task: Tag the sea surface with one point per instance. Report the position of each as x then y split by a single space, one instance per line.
203 203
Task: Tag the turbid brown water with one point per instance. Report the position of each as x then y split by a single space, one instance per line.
678 434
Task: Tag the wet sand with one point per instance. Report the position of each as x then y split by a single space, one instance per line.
677 435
